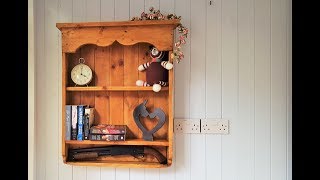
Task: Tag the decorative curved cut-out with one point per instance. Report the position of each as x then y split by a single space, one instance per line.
74 37
141 110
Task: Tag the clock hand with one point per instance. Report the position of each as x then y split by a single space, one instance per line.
81 69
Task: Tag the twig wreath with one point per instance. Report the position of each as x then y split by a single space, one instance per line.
177 54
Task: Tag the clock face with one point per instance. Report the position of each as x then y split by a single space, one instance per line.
81 74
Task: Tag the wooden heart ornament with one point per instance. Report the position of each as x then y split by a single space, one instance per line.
141 110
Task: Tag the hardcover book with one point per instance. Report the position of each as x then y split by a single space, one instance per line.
80 121
74 119
68 123
88 121
108 129
107 137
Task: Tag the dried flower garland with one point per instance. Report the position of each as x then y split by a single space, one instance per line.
177 54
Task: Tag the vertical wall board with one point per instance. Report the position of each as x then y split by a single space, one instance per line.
65 15
278 90
230 89
79 10
167 7
52 79
40 89
79 15
197 84
80 172
108 173
151 3
213 87
262 89
182 95
243 126
136 8
107 10
93 10
122 10
289 88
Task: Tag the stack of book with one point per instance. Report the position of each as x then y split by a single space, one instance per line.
107 132
79 119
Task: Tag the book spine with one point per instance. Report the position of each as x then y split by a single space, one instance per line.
68 123
80 122
86 126
74 116
107 137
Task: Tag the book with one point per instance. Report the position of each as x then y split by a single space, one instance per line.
88 121
68 123
80 120
108 129
74 119
107 137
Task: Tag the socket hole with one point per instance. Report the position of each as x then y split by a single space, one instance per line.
180 128
208 129
194 125
224 129
191 128
179 124
204 128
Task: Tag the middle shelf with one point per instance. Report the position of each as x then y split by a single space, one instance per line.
126 142
113 88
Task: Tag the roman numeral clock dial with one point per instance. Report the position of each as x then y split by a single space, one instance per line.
81 74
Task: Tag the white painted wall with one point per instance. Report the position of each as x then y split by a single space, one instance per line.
237 66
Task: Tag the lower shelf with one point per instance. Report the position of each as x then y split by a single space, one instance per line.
126 142
120 164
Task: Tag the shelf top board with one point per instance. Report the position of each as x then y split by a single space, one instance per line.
173 22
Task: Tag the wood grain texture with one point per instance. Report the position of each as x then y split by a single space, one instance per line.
116 78
104 34
131 60
102 106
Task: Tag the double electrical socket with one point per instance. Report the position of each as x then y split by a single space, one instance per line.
215 126
187 125
204 126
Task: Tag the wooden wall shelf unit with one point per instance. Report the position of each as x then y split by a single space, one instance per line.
114 50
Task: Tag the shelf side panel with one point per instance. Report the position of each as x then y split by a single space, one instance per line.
102 78
131 60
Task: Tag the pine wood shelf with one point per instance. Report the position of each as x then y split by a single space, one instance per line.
119 164
113 88
126 142
114 50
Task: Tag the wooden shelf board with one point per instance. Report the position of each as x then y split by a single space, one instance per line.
174 22
113 88
119 164
126 142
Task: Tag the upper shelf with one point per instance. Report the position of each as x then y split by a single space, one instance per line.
74 35
113 88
